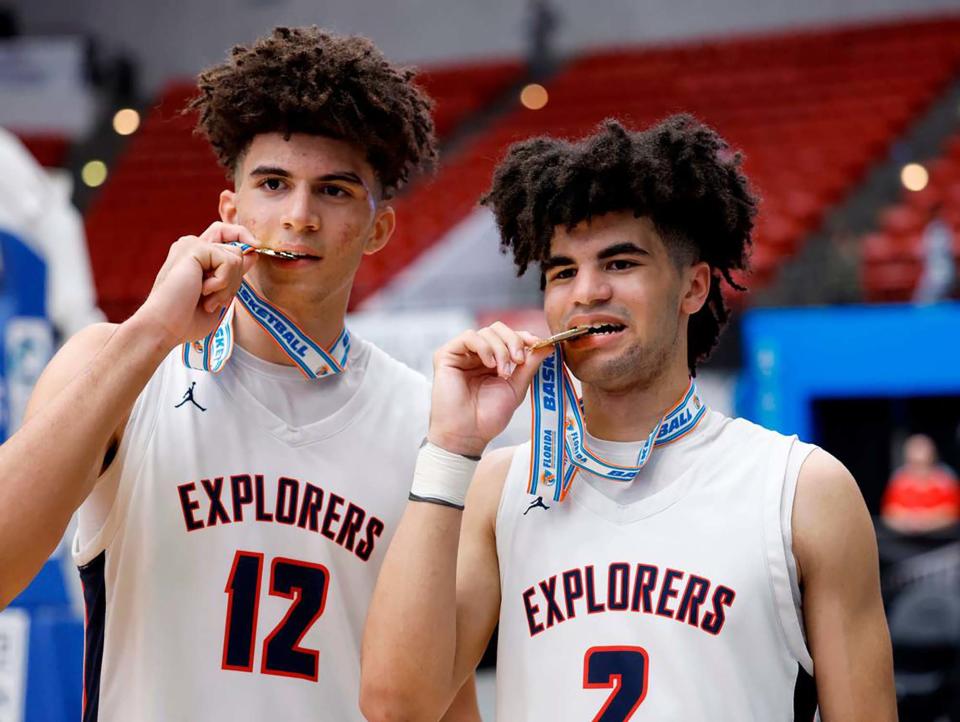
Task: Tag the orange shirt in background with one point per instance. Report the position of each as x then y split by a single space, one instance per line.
936 495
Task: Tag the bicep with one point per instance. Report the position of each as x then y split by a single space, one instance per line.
836 548
67 363
478 571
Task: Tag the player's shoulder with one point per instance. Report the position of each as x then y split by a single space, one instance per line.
742 442
825 481
744 430
496 462
829 515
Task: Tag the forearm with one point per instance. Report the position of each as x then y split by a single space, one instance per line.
464 707
408 666
50 464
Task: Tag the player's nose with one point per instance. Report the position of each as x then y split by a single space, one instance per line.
299 213
591 287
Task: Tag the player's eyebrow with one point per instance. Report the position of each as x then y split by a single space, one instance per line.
277 171
555 261
617 249
348 176
622 249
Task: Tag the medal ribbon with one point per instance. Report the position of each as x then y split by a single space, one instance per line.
213 351
558 446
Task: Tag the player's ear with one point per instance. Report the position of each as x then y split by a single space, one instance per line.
228 206
228 198
698 279
383 228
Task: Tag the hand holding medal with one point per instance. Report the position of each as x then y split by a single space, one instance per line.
198 278
480 378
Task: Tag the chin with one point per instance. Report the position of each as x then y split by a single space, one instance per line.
594 369
630 369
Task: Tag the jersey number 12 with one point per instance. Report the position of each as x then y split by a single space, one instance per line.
302 582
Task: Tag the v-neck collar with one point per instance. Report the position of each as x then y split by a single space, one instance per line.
257 413
585 495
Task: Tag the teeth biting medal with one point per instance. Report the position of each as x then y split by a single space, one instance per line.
289 255
562 336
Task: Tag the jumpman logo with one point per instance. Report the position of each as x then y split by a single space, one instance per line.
538 504
188 396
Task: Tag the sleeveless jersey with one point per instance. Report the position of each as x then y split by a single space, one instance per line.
674 607
231 576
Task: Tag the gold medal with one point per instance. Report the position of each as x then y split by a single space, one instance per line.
289 255
562 336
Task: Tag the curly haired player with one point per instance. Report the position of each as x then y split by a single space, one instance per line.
232 524
645 557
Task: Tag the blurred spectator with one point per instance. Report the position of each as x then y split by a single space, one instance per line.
9 27
923 494
541 26
938 269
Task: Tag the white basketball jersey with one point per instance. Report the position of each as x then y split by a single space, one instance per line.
676 606
231 577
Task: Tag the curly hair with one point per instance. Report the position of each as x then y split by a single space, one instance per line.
679 173
307 80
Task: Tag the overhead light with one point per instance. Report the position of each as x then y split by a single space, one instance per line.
534 96
126 121
914 177
94 173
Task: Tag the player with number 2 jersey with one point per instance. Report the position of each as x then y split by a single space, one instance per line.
646 557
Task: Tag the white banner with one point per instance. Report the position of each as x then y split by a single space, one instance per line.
28 346
43 88
14 638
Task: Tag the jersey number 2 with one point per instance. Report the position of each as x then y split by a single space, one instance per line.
303 583
624 669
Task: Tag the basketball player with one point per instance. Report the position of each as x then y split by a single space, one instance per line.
231 525
670 563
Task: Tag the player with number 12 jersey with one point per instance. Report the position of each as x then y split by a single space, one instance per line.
241 458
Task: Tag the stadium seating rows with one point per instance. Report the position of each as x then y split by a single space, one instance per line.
811 110
893 257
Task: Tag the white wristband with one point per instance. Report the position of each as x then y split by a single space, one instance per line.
442 477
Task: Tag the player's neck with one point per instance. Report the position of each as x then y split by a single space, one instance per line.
630 414
322 321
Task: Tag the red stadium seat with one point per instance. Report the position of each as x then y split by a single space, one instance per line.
49 150
900 240
811 110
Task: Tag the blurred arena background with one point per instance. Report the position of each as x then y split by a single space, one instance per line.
848 115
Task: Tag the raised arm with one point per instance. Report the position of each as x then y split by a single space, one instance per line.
81 402
836 551
438 596
442 579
